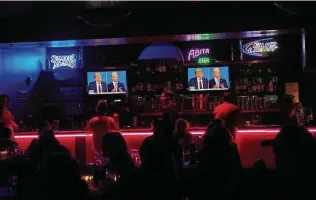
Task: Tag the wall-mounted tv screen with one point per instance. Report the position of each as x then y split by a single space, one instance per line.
208 78
106 82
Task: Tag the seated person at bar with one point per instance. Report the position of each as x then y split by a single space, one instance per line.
100 125
217 81
169 111
6 143
115 85
288 109
181 134
6 117
98 86
198 82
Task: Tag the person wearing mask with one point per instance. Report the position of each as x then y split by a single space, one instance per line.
100 125
6 117
220 162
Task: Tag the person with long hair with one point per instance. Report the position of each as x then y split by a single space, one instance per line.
115 149
182 135
120 181
100 125
6 117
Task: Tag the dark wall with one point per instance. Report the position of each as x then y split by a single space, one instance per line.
15 66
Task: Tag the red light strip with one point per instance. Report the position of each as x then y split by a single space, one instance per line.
150 133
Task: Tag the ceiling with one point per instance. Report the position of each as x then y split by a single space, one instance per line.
33 21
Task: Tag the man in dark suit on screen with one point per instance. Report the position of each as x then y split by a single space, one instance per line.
217 81
198 82
97 86
115 85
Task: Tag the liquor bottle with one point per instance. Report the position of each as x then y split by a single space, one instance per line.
237 86
137 87
193 101
153 105
201 102
177 84
261 85
182 103
197 101
270 86
254 85
164 66
275 84
169 85
205 100
258 85
244 85
210 103
141 86
249 85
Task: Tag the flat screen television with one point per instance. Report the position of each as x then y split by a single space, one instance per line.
208 78
106 82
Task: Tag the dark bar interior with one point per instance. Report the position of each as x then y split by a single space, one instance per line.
141 80
255 66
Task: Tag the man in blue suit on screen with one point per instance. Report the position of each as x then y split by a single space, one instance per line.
115 85
217 81
97 86
198 82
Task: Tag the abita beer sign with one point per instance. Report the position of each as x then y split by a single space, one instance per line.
260 48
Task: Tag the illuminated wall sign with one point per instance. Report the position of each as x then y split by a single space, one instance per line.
260 48
63 61
64 58
194 53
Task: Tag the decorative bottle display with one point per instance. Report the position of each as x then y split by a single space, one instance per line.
256 85
256 89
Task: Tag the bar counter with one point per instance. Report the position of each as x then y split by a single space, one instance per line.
248 141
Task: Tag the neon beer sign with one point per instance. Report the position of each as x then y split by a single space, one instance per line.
260 48
63 61
194 53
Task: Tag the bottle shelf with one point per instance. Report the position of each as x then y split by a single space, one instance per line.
205 112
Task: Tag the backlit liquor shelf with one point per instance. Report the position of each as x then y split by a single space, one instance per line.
198 112
202 70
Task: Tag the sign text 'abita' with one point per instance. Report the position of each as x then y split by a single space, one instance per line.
194 53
